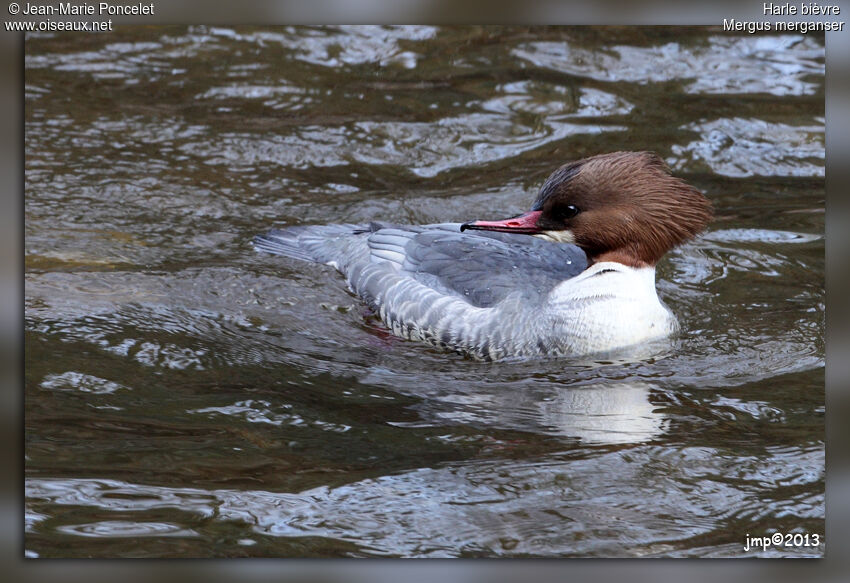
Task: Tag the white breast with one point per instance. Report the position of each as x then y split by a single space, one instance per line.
608 306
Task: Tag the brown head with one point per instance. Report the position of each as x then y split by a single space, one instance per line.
623 207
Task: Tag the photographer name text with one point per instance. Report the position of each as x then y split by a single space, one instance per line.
100 9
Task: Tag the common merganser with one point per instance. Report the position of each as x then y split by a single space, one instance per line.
583 283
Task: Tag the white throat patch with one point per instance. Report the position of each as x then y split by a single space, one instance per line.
565 236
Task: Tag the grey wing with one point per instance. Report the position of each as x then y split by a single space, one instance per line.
483 268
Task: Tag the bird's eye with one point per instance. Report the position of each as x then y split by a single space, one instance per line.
565 212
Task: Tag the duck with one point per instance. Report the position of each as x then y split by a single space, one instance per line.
574 276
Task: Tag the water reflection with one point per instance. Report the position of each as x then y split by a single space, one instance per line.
603 414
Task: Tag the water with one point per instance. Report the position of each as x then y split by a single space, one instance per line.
186 396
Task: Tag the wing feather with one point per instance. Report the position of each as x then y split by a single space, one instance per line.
483 268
